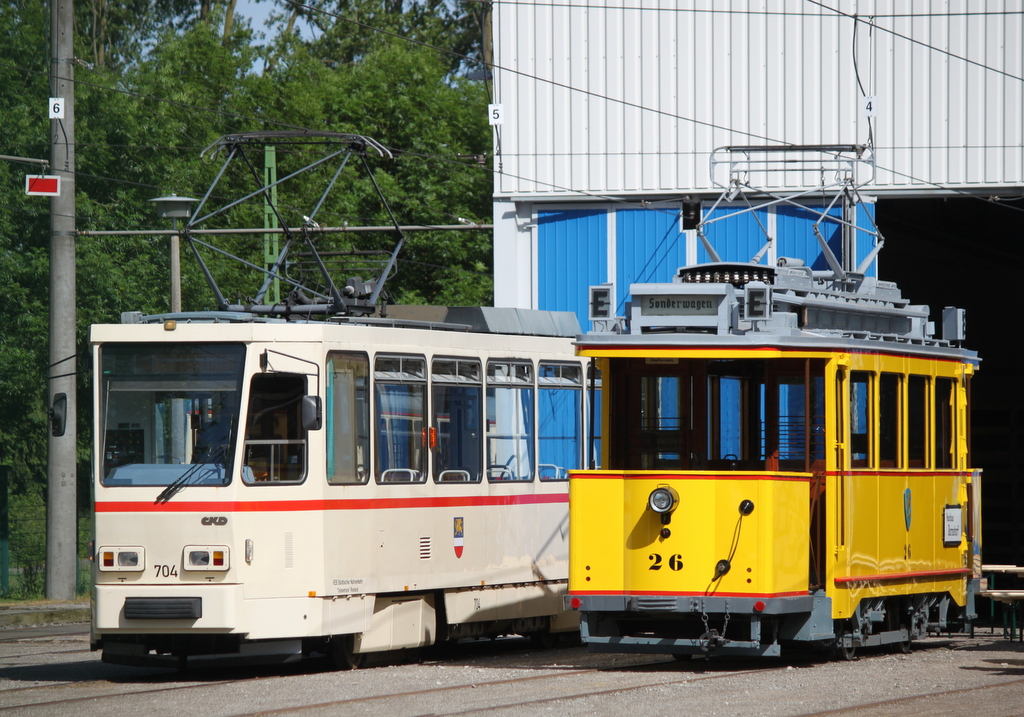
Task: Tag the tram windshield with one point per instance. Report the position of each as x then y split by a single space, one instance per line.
169 413
720 415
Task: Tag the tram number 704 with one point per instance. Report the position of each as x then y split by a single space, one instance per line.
675 562
166 571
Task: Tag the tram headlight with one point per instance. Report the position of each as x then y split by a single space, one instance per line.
128 558
205 557
663 500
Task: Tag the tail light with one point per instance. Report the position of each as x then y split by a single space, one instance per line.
128 558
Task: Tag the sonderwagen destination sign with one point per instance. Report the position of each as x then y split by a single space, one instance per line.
664 305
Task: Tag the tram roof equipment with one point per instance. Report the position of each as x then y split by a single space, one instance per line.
466 319
314 292
789 303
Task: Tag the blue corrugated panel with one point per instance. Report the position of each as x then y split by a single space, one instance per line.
740 238
735 239
572 254
866 242
648 248
794 231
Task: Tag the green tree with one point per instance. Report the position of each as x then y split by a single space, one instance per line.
347 29
162 91
24 242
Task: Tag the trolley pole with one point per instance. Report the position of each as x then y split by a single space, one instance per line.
62 470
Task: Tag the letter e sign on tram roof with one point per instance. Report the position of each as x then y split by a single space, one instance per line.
601 301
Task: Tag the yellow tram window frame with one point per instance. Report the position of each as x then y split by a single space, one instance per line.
890 420
918 425
861 419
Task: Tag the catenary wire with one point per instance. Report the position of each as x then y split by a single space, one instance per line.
859 19
727 11
413 41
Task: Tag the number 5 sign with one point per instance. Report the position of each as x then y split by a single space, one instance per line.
495 114
56 108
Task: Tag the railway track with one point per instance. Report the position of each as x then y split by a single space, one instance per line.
963 701
505 678
17 634
565 684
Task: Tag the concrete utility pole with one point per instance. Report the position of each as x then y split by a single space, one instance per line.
61 506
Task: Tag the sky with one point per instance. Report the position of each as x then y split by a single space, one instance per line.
255 11
258 12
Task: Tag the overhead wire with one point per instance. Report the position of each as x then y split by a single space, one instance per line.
858 19
163 100
729 11
477 167
521 73
642 107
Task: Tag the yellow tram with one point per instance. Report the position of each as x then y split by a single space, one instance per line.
785 458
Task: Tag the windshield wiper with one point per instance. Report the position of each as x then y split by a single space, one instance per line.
186 478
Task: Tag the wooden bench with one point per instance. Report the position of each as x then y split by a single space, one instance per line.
1011 597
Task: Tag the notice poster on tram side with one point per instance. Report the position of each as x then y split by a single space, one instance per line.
952 526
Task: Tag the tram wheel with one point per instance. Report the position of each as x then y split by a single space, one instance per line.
343 653
903 647
543 640
844 653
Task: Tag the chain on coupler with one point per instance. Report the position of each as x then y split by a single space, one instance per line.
711 639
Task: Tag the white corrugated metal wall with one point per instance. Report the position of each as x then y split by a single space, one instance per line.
627 97
624 99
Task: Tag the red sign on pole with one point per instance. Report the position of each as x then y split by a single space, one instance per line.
42 185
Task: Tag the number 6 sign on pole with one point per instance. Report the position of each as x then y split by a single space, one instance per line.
56 108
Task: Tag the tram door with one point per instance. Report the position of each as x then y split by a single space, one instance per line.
838 418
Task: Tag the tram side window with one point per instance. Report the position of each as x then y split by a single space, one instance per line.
399 390
456 397
560 418
511 424
945 422
348 418
275 442
889 420
917 421
860 419
735 415
795 426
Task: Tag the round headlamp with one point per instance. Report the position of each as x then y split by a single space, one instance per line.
662 500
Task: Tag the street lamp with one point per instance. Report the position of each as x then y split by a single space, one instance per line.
174 208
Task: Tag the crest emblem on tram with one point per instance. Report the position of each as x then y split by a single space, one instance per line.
906 507
459 535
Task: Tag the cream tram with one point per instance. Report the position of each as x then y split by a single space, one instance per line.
266 489
298 475
785 460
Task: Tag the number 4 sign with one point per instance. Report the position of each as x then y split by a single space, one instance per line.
56 108
870 108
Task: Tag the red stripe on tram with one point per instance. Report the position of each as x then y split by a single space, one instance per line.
291 506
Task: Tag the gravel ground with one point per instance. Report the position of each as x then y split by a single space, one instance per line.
941 676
